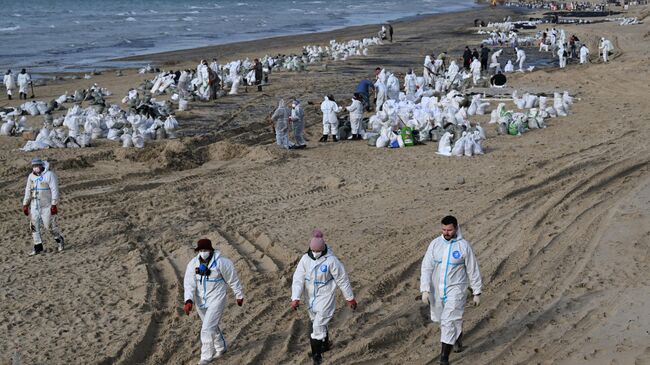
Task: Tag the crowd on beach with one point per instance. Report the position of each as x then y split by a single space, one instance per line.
409 109
438 101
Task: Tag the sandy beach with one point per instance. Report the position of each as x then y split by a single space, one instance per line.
558 217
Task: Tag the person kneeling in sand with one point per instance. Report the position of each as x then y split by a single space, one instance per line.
449 267
318 274
207 277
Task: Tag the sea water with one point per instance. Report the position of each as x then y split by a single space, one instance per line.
76 35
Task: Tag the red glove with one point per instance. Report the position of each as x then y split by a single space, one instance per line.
26 209
53 210
295 304
240 302
188 307
352 304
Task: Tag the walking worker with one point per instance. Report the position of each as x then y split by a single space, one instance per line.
207 277
318 274
40 202
449 267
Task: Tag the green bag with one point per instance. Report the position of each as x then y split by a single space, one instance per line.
512 129
407 136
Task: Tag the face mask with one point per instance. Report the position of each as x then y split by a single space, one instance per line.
316 254
205 254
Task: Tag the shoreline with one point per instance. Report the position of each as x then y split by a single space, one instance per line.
278 42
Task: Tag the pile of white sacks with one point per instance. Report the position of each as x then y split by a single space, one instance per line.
444 120
81 126
236 72
533 110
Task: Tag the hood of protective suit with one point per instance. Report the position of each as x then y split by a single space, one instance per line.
281 104
326 252
459 233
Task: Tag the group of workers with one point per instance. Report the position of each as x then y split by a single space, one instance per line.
22 81
449 268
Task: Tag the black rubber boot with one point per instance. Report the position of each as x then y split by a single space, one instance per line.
323 138
458 346
37 249
326 343
316 351
60 243
444 353
334 139
9 97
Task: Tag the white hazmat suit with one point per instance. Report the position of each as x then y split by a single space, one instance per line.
521 58
448 268
10 83
298 122
330 120
281 124
41 193
208 293
584 54
319 279
356 116
23 81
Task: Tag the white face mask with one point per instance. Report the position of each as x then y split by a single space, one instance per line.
205 254
316 254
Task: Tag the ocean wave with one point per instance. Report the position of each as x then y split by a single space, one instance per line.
188 19
10 29
130 19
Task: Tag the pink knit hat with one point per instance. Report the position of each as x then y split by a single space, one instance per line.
317 242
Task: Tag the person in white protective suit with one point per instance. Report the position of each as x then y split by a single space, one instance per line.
428 72
356 116
509 67
207 277
10 83
40 203
392 86
475 68
280 118
521 58
584 54
380 93
297 120
410 85
495 61
23 79
449 267
203 76
318 274
561 56
330 120
452 71
605 47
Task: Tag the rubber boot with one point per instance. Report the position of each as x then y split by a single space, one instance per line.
37 249
458 346
334 139
9 97
60 242
326 343
316 351
444 353
323 138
